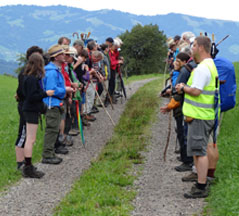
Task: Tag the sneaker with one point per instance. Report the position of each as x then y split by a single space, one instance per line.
52 160
31 172
197 193
190 178
74 132
61 150
184 167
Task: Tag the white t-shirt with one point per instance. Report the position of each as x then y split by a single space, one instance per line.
202 77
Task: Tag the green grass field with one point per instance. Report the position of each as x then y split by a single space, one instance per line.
9 119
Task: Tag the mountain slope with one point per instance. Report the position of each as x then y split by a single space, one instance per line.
24 26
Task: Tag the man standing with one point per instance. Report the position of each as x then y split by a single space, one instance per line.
55 81
198 108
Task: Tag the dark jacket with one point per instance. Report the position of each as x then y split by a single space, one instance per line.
33 93
182 78
20 88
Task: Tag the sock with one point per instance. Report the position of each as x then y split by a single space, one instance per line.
19 164
28 161
210 173
201 186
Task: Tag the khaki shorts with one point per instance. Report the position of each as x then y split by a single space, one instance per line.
198 136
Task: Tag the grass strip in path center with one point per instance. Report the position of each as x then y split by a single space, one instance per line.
104 189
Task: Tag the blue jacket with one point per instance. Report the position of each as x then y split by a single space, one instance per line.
54 80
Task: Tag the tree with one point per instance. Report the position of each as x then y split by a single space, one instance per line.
144 49
21 59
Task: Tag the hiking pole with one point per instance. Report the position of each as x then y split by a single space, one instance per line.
102 103
165 69
216 108
168 138
222 40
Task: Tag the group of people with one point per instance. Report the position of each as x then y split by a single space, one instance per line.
64 81
62 84
192 92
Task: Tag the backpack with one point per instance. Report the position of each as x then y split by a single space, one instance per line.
226 72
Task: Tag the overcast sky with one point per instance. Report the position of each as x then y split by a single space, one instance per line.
217 9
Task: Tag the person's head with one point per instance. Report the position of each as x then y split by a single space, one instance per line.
71 55
109 41
173 47
84 54
56 53
92 46
201 48
32 50
64 41
176 39
35 65
181 59
97 56
188 37
79 45
104 47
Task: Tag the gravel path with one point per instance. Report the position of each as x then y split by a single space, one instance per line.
33 197
159 188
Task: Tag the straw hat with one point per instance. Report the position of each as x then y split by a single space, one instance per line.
56 50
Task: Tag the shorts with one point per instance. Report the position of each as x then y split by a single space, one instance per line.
31 117
198 136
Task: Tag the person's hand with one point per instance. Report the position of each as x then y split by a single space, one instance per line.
179 86
50 92
164 109
69 89
120 62
16 97
74 85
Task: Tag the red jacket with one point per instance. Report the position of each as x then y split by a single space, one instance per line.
114 55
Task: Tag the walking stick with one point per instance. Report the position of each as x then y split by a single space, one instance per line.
168 138
102 103
111 103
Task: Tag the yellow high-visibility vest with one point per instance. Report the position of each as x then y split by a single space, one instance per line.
202 106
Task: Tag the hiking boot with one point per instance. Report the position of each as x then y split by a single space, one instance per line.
52 160
179 159
197 193
184 167
190 178
94 110
74 132
90 117
69 141
61 150
85 122
31 172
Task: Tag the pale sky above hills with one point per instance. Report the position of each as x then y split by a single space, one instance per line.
213 9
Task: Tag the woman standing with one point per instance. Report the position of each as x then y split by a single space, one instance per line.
32 107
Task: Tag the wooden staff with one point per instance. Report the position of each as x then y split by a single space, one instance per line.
102 103
168 138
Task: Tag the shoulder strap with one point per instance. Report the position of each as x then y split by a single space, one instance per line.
189 67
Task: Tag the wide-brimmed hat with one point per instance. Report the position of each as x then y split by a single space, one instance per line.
72 52
56 50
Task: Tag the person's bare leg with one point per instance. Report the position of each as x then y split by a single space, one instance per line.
31 138
202 168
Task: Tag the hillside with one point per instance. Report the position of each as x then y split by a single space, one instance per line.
24 26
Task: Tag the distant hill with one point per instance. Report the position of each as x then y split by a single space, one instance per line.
8 67
24 26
